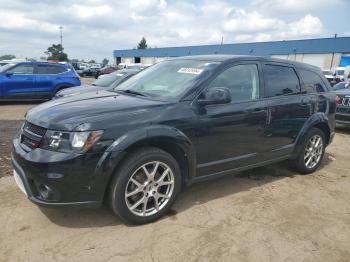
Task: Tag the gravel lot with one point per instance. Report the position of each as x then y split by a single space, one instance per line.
267 214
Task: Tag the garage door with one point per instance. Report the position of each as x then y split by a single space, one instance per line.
315 59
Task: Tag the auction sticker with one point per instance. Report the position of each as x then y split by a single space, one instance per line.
190 70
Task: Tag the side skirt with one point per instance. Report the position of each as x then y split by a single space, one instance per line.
236 170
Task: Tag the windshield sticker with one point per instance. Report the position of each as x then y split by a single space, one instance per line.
189 70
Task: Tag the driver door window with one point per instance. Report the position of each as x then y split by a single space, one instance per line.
22 70
241 80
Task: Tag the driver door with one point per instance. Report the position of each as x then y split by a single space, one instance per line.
231 135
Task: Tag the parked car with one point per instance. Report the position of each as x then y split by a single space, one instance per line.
329 75
178 122
342 90
108 82
35 80
106 70
339 74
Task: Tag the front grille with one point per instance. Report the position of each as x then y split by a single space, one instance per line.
343 110
32 135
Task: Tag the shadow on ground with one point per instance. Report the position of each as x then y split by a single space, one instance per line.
196 194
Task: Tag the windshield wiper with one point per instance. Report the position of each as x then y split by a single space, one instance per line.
133 92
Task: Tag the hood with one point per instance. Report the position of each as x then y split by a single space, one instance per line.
79 90
93 109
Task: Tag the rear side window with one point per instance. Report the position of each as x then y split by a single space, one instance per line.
280 80
49 69
312 82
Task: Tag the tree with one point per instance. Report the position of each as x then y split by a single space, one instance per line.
7 57
92 61
55 52
142 44
105 62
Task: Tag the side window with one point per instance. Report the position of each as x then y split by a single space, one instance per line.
22 69
312 82
48 69
241 80
280 80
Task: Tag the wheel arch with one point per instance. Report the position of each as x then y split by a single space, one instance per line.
318 120
169 139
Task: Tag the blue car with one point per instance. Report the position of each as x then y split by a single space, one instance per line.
35 80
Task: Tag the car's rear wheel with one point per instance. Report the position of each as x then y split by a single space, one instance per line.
145 186
312 152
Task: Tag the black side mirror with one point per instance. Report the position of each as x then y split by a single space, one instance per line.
216 95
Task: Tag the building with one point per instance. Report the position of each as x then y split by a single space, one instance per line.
325 53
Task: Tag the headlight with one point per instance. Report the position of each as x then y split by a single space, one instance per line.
70 141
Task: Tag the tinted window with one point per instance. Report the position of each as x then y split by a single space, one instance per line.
312 82
49 69
241 80
280 80
23 69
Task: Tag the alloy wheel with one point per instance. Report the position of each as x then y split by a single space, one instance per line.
313 151
149 188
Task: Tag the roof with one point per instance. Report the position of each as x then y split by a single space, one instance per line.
308 46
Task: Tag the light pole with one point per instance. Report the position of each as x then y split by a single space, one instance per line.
61 36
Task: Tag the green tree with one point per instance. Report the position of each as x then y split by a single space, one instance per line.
105 62
7 57
55 52
142 44
92 61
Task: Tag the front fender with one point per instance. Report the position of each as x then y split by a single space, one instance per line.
117 150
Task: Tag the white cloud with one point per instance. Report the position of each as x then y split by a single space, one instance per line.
292 6
93 28
84 11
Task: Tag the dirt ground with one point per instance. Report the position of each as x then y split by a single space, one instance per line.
266 214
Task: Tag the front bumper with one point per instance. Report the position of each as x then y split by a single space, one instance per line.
342 115
54 179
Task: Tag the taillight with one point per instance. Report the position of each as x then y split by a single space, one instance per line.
337 100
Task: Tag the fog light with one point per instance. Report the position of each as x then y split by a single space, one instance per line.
44 191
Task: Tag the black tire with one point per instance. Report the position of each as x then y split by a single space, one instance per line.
299 163
121 180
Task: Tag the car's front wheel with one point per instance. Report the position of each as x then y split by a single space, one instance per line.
145 186
312 152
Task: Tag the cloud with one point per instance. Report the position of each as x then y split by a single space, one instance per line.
293 6
94 28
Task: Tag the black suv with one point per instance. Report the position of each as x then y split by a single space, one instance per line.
180 121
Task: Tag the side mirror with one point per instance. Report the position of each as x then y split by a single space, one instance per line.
8 74
216 95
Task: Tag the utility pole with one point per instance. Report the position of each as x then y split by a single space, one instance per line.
61 36
222 40
335 36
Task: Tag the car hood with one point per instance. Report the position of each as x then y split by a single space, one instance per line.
92 111
79 90
342 92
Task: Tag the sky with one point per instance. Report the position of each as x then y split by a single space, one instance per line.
92 29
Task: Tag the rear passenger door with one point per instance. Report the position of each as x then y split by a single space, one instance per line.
288 108
46 77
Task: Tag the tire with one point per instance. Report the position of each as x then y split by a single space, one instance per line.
145 190
302 163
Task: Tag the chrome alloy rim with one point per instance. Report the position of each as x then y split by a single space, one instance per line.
149 188
313 151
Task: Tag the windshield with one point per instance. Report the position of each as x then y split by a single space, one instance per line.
5 67
327 72
167 80
108 80
340 72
